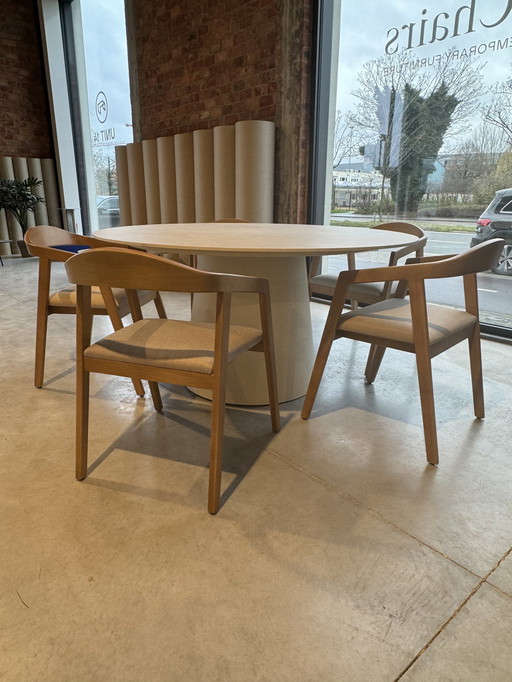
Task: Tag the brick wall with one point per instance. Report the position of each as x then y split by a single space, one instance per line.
25 128
205 63
202 63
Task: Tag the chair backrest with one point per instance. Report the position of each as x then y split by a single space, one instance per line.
398 253
406 228
395 255
56 244
126 269
477 259
400 226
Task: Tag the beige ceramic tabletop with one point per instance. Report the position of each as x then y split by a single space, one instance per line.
255 239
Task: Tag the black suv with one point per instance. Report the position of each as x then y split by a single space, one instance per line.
496 221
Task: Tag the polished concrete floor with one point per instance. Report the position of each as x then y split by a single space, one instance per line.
339 555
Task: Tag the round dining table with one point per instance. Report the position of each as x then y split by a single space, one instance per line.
277 252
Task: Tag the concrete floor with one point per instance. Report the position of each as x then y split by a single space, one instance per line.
339 555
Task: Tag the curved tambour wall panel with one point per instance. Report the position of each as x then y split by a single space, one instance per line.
167 179
35 170
136 183
224 171
254 187
51 191
11 229
185 188
123 186
150 162
203 175
210 174
47 213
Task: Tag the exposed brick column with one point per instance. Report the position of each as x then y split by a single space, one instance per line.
25 128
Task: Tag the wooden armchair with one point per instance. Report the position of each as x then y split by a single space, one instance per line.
414 325
171 351
53 244
367 292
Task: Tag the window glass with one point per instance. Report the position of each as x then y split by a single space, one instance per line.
108 95
423 127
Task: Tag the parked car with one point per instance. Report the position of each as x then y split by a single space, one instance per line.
107 205
496 221
108 211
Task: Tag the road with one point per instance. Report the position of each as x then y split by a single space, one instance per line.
495 291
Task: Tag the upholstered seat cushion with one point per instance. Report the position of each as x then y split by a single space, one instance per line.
66 297
365 292
368 291
390 320
172 344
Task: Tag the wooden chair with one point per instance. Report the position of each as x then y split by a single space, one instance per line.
171 351
367 292
411 325
51 244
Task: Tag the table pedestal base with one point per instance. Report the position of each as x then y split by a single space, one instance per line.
291 318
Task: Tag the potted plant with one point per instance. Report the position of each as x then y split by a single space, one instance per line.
17 198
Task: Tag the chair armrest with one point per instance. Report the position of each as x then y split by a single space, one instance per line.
429 259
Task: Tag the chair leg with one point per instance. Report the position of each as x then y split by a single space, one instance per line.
160 307
477 381
272 393
41 334
155 394
216 444
426 388
117 324
316 377
42 321
373 363
82 422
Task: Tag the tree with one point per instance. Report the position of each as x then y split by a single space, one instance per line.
412 110
500 178
473 159
499 112
347 139
424 123
105 173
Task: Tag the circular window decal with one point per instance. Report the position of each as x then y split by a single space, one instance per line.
101 107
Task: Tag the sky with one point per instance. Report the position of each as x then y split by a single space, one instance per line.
370 27
106 61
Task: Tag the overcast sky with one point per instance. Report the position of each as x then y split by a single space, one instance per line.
107 68
368 25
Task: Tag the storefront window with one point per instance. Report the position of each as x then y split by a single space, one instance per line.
423 127
108 98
